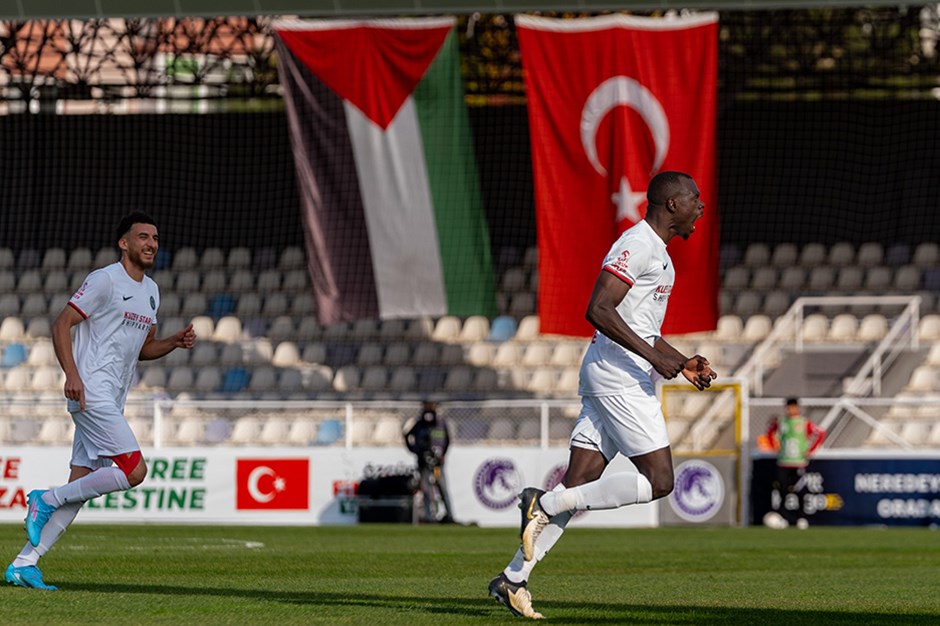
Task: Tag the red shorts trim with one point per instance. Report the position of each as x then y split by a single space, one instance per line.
128 461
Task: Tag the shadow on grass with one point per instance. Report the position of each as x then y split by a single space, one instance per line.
558 612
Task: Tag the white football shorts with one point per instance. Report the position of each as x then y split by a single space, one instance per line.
101 432
631 424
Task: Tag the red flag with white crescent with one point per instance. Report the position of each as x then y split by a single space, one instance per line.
614 100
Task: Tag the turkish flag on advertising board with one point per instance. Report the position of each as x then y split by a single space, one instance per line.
275 484
614 100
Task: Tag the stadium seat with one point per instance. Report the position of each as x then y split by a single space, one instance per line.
274 430
451 354
30 282
188 281
28 259
870 254
843 328
56 281
393 329
926 255
227 330
821 279
38 328
318 378
480 354
907 279
849 279
11 329
263 379
388 432
46 378
190 432
503 328
41 353
245 430
915 433
757 254
842 254
269 281
374 378
53 259
296 281
873 327
933 355
736 278
528 329
878 280
729 255
543 381
314 353
568 381
447 328
286 354
235 380
212 259
9 305
507 355
898 255
812 255
301 432
530 259
756 328
815 327
282 329
346 378
8 285
220 305
203 326
55 431
485 381
403 379
567 354
747 303
274 305
458 379
475 328
426 354
922 379
364 330
927 330
764 279
289 380
264 258
185 259
513 280
180 379
208 379
784 255
302 305
7 259
370 353
34 305
522 304
729 328
792 279
397 353
291 258
419 329
107 256
502 429
230 354
241 281
213 281
776 303
195 304
537 354
239 258
329 432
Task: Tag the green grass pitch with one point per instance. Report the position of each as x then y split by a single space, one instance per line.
398 574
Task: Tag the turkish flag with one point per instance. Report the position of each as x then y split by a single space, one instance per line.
614 100
274 484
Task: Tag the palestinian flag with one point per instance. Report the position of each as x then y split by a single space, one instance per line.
392 210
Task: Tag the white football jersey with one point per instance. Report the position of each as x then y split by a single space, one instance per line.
639 258
118 312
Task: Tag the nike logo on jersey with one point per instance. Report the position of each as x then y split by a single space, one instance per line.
665 265
126 298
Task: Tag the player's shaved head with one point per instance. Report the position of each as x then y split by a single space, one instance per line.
665 185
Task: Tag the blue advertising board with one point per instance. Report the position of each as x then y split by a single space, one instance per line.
858 491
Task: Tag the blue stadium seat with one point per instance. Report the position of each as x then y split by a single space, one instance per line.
503 328
329 432
164 260
234 380
221 305
13 355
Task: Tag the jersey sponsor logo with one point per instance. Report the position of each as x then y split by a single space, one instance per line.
497 483
662 293
272 484
699 491
138 321
620 263
81 291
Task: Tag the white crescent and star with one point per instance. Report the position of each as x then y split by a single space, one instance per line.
624 91
255 477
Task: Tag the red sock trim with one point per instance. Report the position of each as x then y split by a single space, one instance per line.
128 461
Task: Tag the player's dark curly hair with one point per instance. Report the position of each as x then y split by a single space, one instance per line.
135 217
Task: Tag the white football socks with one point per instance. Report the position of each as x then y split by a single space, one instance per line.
607 492
58 522
519 569
101 481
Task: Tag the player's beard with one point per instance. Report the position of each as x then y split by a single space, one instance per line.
137 259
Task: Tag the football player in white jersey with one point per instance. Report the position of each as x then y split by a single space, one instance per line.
115 312
620 412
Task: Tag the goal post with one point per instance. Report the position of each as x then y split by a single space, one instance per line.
711 426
